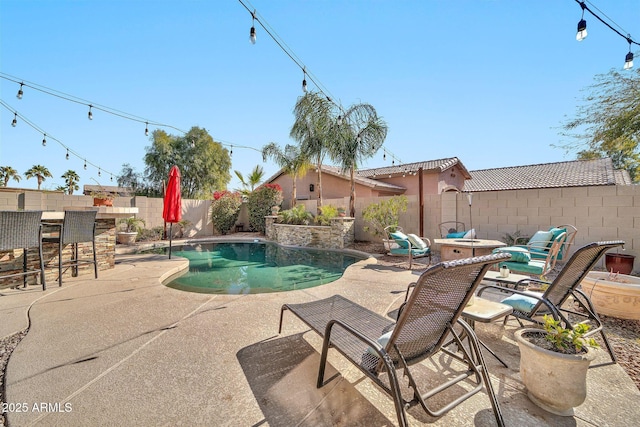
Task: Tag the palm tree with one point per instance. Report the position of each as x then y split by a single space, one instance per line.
40 172
71 179
7 173
291 160
252 181
360 136
314 129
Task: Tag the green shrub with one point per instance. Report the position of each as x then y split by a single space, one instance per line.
259 203
225 209
150 234
326 213
297 215
382 214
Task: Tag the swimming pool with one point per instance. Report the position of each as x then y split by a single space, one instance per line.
254 267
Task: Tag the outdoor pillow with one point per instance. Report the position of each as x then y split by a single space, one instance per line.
383 340
517 254
556 232
416 242
521 302
401 239
458 235
541 239
471 234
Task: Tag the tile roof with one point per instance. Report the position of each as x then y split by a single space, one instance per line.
439 165
576 173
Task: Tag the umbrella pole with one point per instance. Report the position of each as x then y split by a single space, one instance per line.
170 234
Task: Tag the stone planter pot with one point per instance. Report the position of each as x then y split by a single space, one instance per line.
619 263
613 295
126 238
555 382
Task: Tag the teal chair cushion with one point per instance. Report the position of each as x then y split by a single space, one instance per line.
533 267
556 232
521 303
517 254
458 235
401 239
414 252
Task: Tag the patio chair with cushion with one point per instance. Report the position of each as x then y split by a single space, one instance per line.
531 305
523 261
407 244
22 230
540 243
452 230
426 325
76 227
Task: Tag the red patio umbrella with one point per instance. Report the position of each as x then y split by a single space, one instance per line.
172 211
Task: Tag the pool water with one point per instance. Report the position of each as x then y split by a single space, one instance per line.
251 268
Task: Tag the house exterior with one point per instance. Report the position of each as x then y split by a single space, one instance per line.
426 178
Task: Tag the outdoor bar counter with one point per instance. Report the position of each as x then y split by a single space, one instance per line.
106 221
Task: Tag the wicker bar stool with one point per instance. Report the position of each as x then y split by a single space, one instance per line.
77 227
22 230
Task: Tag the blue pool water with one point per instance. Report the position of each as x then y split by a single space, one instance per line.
251 268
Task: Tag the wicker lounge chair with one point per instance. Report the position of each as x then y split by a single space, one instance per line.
407 244
425 326
77 227
22 230
531 306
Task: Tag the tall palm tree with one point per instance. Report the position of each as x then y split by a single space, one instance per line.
7 173
314 129
360 136
251 182
292 161
40 172
71 179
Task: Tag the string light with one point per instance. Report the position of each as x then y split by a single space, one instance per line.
231 152
146 129
14 122
111 178
304 80
582 25
99 172
628 59
67 156
252 32
44 140
85 164
20 92
90 115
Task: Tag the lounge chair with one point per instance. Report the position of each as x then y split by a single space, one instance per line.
379 347
523 260
407 244
531 306
540 243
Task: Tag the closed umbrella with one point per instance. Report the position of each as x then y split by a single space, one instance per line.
172 211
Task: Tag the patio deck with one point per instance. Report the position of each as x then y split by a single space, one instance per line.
124 349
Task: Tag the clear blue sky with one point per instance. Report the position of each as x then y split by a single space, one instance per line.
487 81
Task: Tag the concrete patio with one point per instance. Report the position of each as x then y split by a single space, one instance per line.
126 350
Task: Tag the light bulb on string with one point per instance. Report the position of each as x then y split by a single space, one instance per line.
146 129
67 156
582 25
384 155
339 119
304 80
44 140
14 122
90 114
85 164
20 92
628 59
99 172
111 179
252 32
231 152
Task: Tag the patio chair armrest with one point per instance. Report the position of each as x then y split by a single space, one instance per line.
516 241
406 295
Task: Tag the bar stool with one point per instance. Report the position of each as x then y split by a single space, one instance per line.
22 230
77 227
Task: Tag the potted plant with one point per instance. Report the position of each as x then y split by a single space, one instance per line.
129 229
102 198
554 364
619 263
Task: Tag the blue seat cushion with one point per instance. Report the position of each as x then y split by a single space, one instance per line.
518 254
401 239
521 302
533 267
414 252
458 235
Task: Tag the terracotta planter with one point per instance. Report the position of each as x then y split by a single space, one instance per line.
555 382
102 202
613 295
619 263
